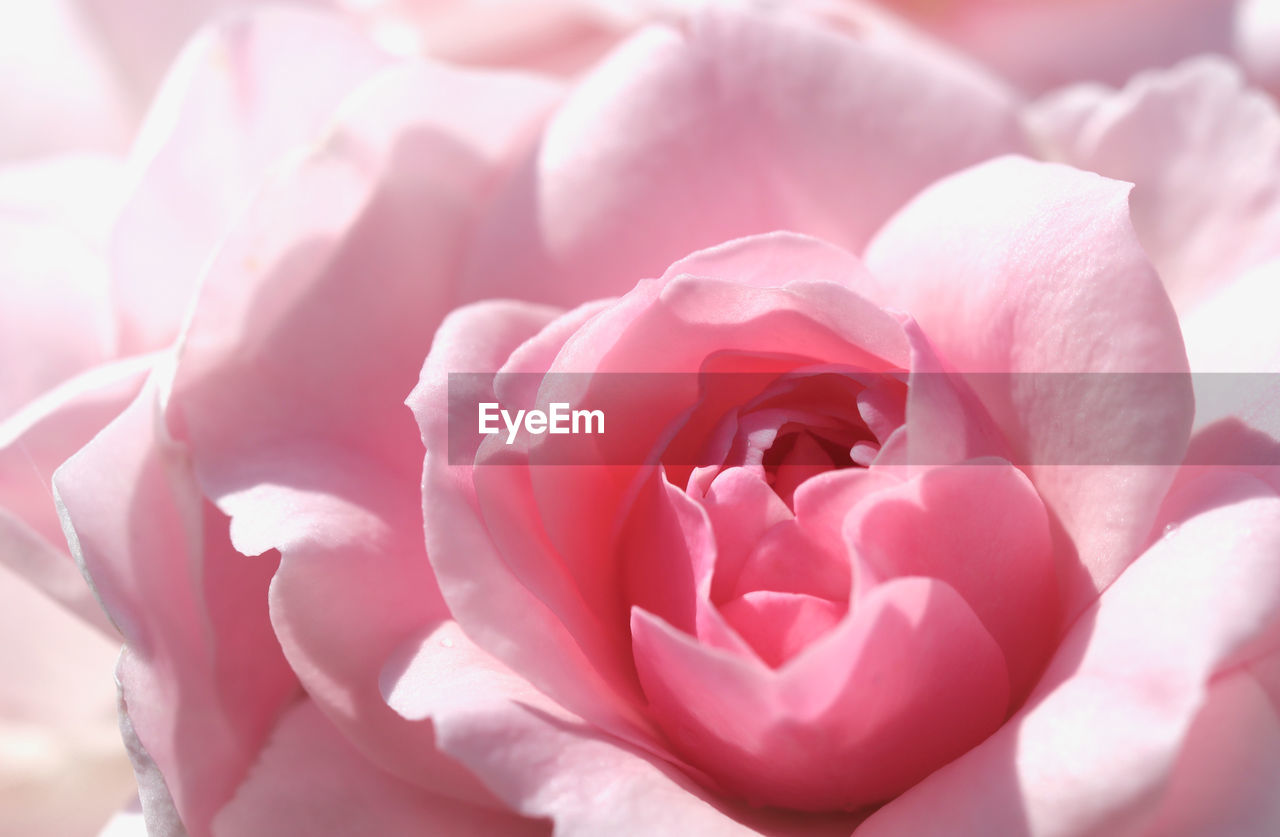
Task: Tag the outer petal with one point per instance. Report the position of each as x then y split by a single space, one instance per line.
1020 267
310 329
55 316
1229 768
33 443
545 762
737 123
56 323
1099 739
203 678
1204 154
310 782
1046 43
1234 349
241 96
58 736
553 36
1258 41
140 43
59 77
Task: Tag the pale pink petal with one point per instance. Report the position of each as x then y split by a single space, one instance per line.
33 443
734 123
1233 346
59 89
1257 41
546 762
321 303
58 735
240 98
312 325
56 318
1099 740
310 782
1229 768
1021 267
553 36
1203 153
203 677
140 39
1047 43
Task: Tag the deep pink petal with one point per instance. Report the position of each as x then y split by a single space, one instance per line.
1100 738
735 123
1026 268
981 529
909 680
485 593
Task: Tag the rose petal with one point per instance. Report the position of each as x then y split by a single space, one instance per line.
241 96
338 274
310 782
1099 738
1229 767
1257 37
341 271
1041 45
739 122
33 443
58 733
546 763
1162 133
1237 390
1021 267
204 676
481 588
853 720
981 529
61 78
55 315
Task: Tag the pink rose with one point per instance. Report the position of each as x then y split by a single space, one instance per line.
618 647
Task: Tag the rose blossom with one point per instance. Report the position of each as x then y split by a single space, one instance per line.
375 712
